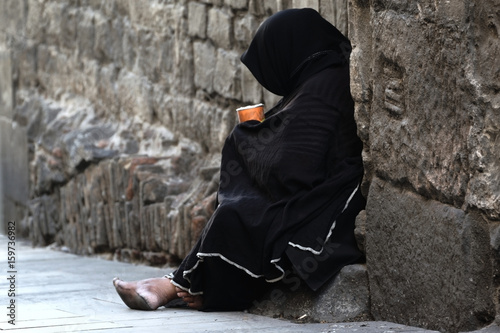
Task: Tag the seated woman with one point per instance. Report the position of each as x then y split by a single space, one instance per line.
290 191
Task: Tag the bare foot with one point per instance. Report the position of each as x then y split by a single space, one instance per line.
193 301
147 294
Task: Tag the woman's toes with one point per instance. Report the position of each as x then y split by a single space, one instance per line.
129 295
193 301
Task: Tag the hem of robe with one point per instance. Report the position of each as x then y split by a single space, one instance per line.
201 255
330 232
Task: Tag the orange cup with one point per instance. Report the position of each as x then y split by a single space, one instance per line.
251 112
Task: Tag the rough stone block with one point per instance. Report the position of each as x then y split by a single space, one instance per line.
103 44
215 125
221 124
153 190
485 25
306 3
45 219
220 27
129 231
197 20
227 71
6 90
275 6
106 89
25 65
44 59
12 14
14 172
183 72
134 94
360 230
101 242
147 228
69 17
129 45
175 114
204 65
167 52
429 263
86 33
17 172
483 149
36 20
148 55
417 135
244 29
118 217
345 298
256 7
237 4
336 13
139 12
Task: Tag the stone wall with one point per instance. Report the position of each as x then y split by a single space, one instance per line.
426 78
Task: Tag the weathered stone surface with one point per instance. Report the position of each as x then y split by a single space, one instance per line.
45 222
407 130
429 263
483 76
197 19
227 71
148 55
416 135
360 230
237 4
183 70
346 298
220 27
15 176
14 186
68 23
6 91
134 95
244 28
495 246
426 113
204 60
86 33
12 21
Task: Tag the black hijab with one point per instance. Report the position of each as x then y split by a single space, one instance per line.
292 45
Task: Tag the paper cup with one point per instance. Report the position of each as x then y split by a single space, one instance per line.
251 112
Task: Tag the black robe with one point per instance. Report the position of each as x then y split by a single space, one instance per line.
289 186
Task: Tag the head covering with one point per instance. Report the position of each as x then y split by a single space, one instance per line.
292 45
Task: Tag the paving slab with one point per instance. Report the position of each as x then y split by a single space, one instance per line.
62 292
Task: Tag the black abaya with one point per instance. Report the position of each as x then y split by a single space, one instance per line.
289 185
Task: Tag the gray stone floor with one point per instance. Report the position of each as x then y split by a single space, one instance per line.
60 292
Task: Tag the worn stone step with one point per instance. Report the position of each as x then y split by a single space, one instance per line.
344 299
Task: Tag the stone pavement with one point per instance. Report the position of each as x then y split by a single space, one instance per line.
60 292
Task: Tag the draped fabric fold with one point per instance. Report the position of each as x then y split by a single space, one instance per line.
287 182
